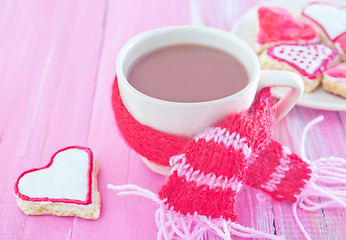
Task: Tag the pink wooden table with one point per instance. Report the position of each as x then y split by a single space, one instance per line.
57 65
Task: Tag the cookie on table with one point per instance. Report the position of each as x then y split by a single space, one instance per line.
308 60
334 79
330 19
340 45
277 25
67 186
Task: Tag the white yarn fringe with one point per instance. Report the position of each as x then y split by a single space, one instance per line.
173 225
327 186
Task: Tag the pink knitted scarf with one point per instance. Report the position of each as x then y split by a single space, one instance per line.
208 171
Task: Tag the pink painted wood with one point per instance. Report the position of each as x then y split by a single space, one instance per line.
57 65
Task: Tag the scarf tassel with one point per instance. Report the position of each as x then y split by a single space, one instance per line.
327 186
174 225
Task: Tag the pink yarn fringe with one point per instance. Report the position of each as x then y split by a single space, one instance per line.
327 186
173 225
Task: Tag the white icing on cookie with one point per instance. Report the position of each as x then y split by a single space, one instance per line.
331 19
66 178
310 60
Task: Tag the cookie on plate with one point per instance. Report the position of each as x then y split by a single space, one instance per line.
277 25
330 19
340 45
308 60
67 186
334 79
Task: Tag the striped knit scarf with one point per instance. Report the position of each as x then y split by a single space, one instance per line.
207 172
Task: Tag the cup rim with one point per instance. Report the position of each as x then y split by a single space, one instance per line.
122 80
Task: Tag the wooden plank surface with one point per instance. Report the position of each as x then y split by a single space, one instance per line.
57 65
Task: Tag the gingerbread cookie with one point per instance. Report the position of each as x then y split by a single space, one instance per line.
334 79
67 186
308 60
277 25
330 19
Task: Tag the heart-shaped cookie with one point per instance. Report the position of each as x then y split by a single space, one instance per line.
337 72
66 186
340 45
278 25
334 79
309 59
332 20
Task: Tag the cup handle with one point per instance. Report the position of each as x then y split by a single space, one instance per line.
278 78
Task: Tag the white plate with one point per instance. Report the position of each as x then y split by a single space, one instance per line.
245 28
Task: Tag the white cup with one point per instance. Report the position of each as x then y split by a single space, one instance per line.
189 119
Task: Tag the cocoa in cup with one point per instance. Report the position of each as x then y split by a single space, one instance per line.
188 118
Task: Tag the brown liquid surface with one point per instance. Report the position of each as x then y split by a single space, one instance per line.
187 73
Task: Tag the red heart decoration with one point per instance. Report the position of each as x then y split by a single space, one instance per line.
279 25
